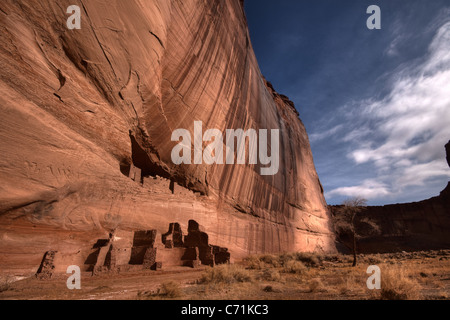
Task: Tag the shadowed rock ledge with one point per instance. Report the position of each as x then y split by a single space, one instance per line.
87 117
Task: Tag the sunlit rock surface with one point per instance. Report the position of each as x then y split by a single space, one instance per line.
82 109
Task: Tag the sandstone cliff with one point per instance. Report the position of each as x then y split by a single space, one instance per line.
83 110
416 226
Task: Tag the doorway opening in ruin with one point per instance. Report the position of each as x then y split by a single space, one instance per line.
141 164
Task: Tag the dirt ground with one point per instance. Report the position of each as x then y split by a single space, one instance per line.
422 275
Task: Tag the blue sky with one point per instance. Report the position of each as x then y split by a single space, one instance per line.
376 103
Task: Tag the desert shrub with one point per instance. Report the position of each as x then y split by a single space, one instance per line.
296 267
227 273
254 263
271 275
309 259
343 287
443 295
277 261
332 257
170 289
374 259
286 257
350 284
396 285
316 285
167 290
271 260
263 261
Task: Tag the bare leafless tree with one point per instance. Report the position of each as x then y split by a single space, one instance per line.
348 219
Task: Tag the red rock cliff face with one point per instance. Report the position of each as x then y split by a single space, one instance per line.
79 107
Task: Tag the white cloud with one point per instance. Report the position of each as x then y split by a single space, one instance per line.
398 34
325 134
392 50
417 175
369 189
409 127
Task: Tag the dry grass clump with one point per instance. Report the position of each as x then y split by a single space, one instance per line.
254 263
227 273
284 260
351 284
295 267
374 259
309 259
263 261
341 258
286 257
170 289
316 285
167 290
442 295
396 285
271 275
270 260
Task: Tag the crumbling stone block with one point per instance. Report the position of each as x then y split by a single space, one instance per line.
206 256
91 260
122 255
149 258
99 269
194 226
192 263
142 242
157 266
144 238
115 254
97 254
195 237
191 257
111 258
135 173
169 244
191 254
101 243
137 255
175 235
47 267
102 256
222 257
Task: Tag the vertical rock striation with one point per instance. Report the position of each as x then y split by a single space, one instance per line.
84 110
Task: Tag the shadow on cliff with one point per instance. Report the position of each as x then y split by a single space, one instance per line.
149 165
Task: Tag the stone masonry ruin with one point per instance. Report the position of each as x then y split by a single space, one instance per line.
140 250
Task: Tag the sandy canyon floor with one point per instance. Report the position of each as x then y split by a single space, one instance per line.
421 275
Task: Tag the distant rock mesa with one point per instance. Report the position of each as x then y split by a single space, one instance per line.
416 226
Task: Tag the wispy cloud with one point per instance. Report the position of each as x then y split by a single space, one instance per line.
408 127
369 189
398 34
325 134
